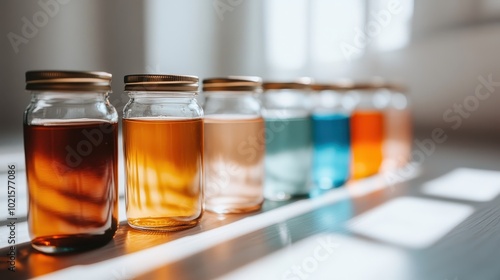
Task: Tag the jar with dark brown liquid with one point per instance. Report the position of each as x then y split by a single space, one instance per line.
70 142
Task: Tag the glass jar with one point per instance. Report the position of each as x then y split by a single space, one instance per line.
163 151
331 135
368 127
398 129
288 139
70 142
234 144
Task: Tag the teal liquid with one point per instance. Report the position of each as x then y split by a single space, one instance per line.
288 158
332 150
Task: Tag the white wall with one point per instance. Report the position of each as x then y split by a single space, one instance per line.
79 35
453 43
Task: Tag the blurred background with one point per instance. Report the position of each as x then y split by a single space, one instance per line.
444 51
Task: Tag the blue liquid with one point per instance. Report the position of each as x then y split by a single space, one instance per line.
288 158
332 150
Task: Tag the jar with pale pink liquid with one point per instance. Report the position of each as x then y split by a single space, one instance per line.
398 129
234 144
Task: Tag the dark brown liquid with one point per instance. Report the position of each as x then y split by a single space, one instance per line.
72 183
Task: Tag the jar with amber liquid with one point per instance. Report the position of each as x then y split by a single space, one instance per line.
163 150
70 142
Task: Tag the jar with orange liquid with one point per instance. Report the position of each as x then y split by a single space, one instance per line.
368 128
163 150
398 128
71 152
235 141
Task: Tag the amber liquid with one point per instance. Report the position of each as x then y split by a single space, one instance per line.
164 161
367 136
234 164
72 183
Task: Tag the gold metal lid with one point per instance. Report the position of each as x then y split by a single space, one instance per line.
369 85
160 82
342 85
397 87
233 83
68 80
373 84
303 83
377 84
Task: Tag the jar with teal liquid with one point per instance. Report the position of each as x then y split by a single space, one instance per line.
288 139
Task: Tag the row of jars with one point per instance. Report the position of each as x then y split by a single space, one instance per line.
340 131
298 138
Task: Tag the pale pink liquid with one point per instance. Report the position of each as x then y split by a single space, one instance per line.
397 145
234 163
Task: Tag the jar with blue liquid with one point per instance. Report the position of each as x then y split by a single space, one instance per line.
331 135
288 139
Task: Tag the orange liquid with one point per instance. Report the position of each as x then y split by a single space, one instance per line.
234 164
163 160
367 135
72 183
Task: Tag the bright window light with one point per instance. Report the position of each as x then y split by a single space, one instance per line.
333 30
390 23
286 33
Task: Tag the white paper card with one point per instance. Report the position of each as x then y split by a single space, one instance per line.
328 256
410 221
465 184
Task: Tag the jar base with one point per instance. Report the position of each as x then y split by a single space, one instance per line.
62 244
161 224
284 196
226 207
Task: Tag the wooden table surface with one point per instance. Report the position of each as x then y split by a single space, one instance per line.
377 228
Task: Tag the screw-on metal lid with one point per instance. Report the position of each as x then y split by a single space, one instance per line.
303 83
160 82
378 83
343 85
233 83
68 80
368 85
397 87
